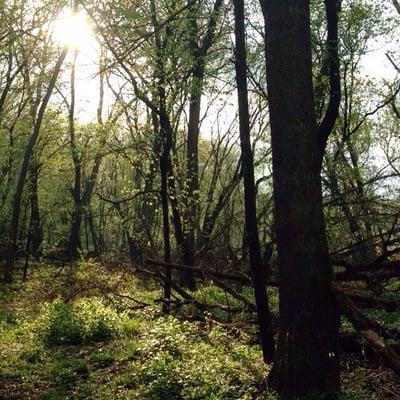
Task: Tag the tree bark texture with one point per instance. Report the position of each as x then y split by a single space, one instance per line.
307 359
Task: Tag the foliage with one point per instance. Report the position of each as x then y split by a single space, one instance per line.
81 322
65 371
53 347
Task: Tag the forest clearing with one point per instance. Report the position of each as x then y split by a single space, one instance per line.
199 199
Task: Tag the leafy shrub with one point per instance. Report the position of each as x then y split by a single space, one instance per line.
84 321
158 378
65 326
355 394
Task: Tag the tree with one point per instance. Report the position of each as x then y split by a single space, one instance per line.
21 177
198 55
307 358
251 225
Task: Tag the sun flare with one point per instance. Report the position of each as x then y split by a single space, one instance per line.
73 30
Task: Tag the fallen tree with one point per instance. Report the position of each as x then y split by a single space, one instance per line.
364 330
368 330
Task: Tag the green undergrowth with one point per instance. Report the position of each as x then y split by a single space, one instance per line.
86 332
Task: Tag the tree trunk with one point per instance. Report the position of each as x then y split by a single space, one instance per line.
162 126
165 214
251 226
74 237
36 233
307 359
192 167
12 245
93 234
187 278
198 54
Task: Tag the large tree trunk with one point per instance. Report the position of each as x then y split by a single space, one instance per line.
307 359
251 226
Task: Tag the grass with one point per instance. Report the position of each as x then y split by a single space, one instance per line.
70 335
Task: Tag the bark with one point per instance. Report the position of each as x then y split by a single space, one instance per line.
192 154
165 213
325 127
9 79
95 240
166 139
307 357
36 233
251 225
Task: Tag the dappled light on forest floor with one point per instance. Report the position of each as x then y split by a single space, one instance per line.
77 333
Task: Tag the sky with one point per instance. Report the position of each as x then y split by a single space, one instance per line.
77 33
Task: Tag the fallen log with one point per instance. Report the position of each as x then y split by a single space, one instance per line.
244 278
202 305
189 299
249 304
363 328
365 300
375 275
379 264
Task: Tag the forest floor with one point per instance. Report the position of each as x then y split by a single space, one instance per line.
91 332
